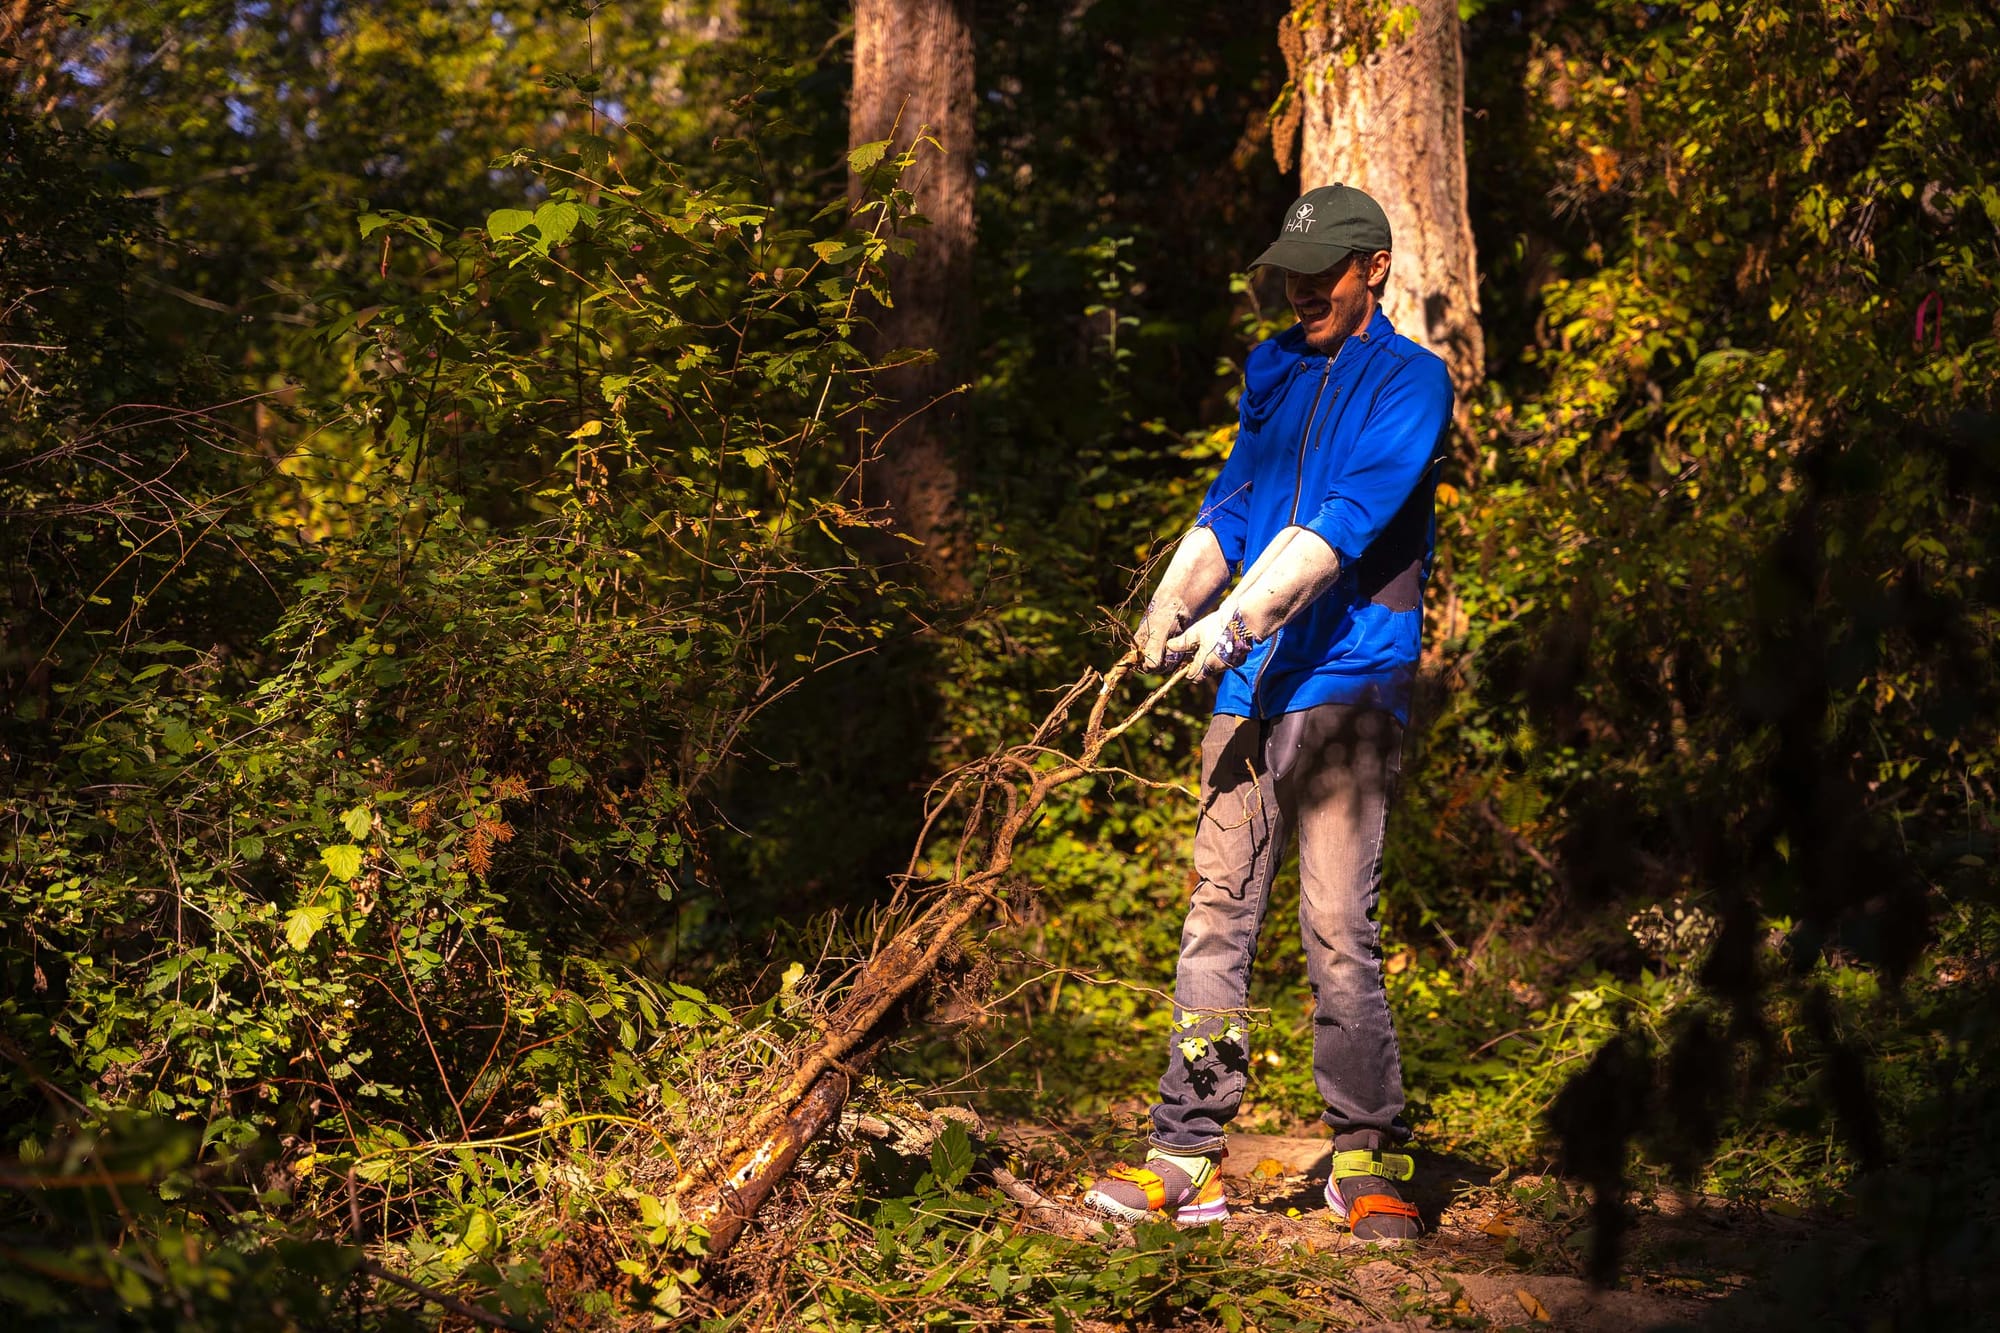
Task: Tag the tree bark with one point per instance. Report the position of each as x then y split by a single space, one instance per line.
1392 124
31 33
913 76
758 1171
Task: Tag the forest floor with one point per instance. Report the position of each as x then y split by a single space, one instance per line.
1500 1249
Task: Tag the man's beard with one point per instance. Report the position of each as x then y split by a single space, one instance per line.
1326 342
1342 325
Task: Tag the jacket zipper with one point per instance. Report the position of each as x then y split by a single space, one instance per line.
1298 486
1299 477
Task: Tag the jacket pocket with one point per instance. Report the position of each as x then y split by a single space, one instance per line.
1374 639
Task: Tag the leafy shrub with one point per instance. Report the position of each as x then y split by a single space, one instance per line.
365 873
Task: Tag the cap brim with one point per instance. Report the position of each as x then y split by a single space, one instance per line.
1299 257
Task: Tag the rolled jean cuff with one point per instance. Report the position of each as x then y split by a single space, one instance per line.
1199 1148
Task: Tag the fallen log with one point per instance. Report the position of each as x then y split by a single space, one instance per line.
754 1175
1000 795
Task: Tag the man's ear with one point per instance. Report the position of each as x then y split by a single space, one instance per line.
1378 269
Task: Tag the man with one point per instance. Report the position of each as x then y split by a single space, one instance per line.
1327 499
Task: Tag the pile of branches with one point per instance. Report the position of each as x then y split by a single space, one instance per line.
997 798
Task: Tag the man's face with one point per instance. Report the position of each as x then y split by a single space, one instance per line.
1333 304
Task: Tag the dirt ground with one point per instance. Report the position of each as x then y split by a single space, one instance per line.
1502 1253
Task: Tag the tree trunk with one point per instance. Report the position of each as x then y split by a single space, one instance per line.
913 75
1391 123
31 33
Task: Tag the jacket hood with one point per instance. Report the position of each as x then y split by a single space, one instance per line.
1273 362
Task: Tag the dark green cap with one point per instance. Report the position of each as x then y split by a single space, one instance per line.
1325 226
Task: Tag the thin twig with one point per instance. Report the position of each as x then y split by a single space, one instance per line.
914 951
464 1309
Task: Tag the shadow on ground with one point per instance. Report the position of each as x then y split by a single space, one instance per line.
1510 1251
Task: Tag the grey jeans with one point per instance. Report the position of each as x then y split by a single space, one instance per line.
1329 772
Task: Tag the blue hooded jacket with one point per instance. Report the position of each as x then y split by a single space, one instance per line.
1347 446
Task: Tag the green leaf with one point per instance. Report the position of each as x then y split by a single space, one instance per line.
834 252
481 1234
506 221
866 155
342 859
594 153
951 1155
305 923
179 739
163 975
372 223
556 221
357 822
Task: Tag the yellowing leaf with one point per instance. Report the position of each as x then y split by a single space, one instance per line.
1268 1169
303 924
480 1232
506 221
833 252
1497 1227
1536 1310
357 822
866 155
343 859
587 429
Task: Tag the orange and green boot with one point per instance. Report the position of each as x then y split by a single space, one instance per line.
1187 1189
1362 1194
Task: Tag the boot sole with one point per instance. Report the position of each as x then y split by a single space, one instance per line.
1201 1214
1194 1215
1114 1209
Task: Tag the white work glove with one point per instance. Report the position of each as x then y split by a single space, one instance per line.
1299 567
1216 642
1294 569
1194 576
1164 618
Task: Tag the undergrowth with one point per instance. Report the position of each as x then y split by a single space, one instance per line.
939 1251
362 863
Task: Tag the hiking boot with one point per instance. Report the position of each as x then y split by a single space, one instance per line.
1187 1189
1362 1195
